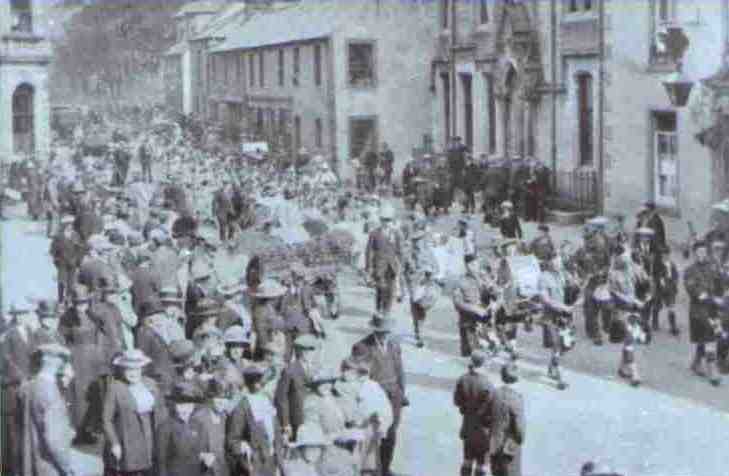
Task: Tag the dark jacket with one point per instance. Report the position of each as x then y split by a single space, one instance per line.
290 393
216 434
701 278
382 256
15 358
67 253
507 430
134 432
146 285
243 427
473 396
179 446
510 226
386 368
161 369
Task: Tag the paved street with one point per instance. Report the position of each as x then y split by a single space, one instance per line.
671 427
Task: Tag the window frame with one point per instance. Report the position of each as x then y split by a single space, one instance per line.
491 112
21 16
350 130
585 101
281 66
252 70
297 132
262 69
297 66
317 64
673 153
373 45
484 17
318 133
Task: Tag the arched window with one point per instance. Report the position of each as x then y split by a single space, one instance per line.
21 12
23 137
585 117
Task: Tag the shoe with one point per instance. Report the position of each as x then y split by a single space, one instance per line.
562 385
419 344
623 374
635 382
675 332
715 382
597 342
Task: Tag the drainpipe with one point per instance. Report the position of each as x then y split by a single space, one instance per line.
601 111
553 48
454 96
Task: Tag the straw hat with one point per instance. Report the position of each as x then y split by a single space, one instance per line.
269 289
54 349
236 335
132 359
645 232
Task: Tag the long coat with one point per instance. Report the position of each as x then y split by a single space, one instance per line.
244 427
290 393
386 369
15 369
473 396
134 432
161 368
216 432
178 448
146 285
382 256
507 432
700 278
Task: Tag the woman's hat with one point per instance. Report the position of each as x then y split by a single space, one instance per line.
182 353
131 359
598 221
381 323
507 204
310 434
186 392
236 335
253 374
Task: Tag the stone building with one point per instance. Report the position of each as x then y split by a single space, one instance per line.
577 84
335 77
25 54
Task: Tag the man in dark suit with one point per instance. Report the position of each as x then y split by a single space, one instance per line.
649 218
67 252
292 386
456 163
384 356
387 160
146 284
152 339
16 349
382 260
473 398
223 211
507 426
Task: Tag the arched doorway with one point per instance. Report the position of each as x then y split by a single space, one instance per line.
23 120
509 87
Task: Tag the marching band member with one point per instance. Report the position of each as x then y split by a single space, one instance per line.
469 303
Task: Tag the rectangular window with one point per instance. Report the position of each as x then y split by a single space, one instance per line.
317 65
665 145
362 135
445 79
491 114
663 10
282 120
297 66
252 70
445 13
588 5
238 69
281 72
319 133
483 13
224 61
297 132
585 105
261 68
573 6
259 121
21 16
361 64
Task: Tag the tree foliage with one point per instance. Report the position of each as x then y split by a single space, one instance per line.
114 41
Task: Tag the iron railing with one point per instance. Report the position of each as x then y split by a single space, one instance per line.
576 189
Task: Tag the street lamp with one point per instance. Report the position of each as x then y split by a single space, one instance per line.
678 86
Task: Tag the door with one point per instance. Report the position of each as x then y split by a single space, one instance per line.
468 110
665 171
23 120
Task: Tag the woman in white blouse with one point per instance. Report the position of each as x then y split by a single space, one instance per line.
132 409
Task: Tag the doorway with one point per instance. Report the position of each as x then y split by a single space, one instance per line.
466 82
23 120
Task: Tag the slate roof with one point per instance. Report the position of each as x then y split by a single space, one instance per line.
299 22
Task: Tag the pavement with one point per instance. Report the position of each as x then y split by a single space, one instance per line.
674 425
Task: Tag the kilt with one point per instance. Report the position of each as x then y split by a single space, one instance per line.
418 312
700 330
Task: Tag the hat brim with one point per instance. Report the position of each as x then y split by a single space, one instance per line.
131 364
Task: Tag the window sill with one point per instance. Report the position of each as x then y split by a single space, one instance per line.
576 17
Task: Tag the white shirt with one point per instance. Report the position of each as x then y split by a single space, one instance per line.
143 398
264 413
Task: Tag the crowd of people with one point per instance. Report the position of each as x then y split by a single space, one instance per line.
170 369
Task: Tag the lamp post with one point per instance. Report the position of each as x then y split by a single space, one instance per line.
677 85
